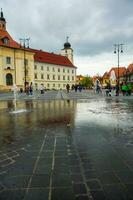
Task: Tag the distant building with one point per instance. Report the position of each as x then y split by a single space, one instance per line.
79 79
105 79
128 74
113 75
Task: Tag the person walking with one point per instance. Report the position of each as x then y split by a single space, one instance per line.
129 88
68 87
80 87
117 90
42 89
31 89
75 87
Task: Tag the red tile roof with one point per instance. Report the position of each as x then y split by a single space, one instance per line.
51 58
121 71
40 56
106 75
11 43
130 68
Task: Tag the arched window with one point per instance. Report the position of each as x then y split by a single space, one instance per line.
9 79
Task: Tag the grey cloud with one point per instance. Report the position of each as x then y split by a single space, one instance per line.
93 25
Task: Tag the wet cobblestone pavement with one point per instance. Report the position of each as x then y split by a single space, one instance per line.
66 150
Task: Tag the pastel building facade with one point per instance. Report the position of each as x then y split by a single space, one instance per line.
53 71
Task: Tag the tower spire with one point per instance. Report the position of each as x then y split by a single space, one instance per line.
67 39
1 13
2 21
2 16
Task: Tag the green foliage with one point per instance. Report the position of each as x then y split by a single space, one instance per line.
87 82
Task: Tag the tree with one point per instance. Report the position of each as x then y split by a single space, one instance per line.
87 82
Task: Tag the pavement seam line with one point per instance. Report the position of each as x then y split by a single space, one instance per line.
83 176
53 163
35 166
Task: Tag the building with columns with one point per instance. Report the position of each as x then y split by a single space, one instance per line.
22 65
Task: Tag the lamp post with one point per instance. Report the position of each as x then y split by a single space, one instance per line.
118 48
24 43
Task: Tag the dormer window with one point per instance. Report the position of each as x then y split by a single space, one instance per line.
6 40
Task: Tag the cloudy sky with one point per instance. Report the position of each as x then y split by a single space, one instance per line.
93 27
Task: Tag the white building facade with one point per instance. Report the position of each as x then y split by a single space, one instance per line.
53 71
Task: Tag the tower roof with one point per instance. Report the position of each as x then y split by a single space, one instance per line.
67 45
51 58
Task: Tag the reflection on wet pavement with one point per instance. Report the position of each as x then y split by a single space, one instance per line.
66 150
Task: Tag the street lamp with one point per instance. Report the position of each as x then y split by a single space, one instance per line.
118 48
24 42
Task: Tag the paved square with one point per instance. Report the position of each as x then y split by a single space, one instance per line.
67 150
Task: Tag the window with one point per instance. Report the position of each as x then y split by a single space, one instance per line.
5 40
48 77
72 71
8 60
73 78
68 70
53 69
58 77
68 78
42 76
41 67
35 66
63 77
58 69
9 79
35 75
53 77
48 85
53 84
26 61
64 70
47 68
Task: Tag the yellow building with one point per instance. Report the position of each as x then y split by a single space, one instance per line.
105 79
16 62
21 65
79 79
